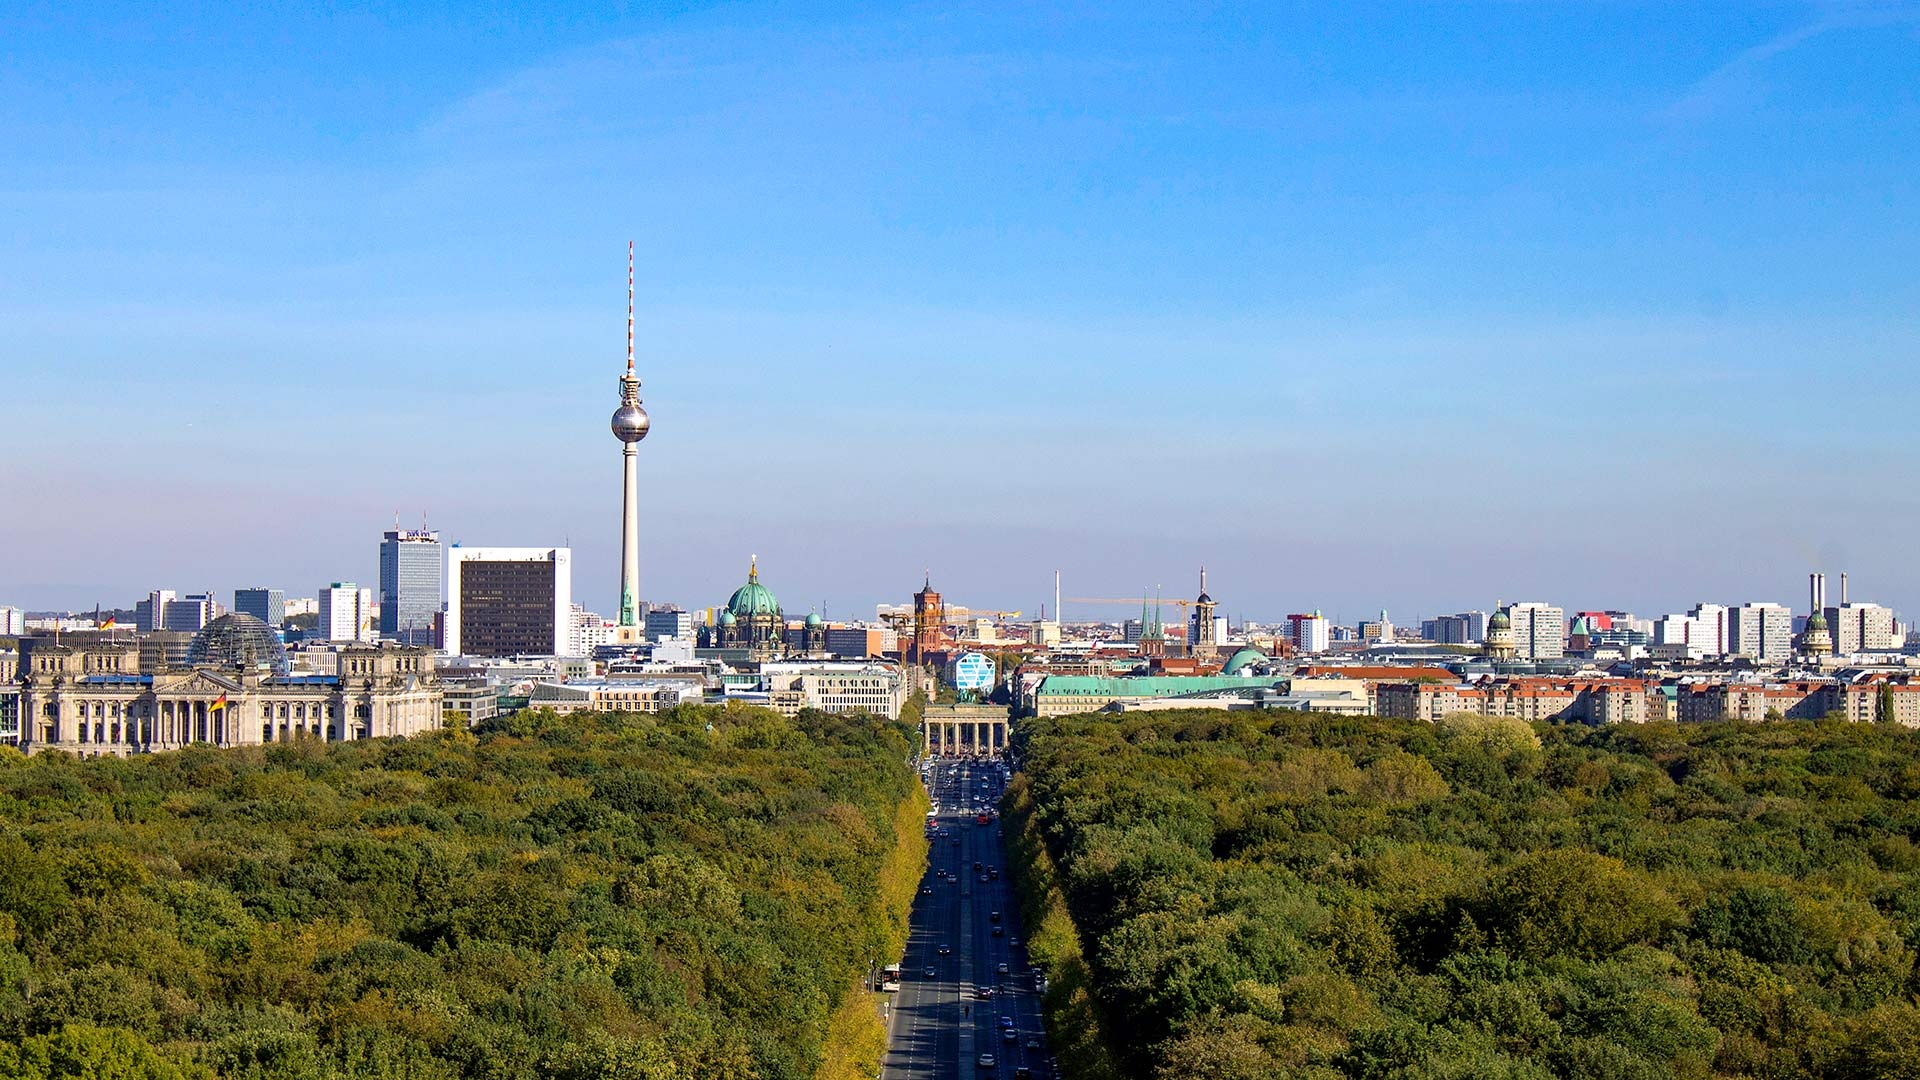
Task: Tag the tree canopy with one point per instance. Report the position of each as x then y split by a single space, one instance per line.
688 895
1265 894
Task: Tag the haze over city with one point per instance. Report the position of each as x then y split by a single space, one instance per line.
1414 307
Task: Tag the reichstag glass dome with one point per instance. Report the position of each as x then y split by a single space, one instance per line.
238 642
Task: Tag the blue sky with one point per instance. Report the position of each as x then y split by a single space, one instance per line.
1404 305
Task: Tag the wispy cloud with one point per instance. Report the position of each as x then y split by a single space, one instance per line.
1741 77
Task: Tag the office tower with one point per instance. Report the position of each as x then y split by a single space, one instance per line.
1309 633
267 605
1539 631
13 621
1761 632
151 613
630 425
508 601
346 613
669 622
190 613
411 562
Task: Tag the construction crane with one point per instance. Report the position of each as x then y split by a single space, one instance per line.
1135 601
904 620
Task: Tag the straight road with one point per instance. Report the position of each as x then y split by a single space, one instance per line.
940 1026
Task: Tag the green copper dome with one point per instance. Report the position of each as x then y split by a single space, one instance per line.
727 619
753 598
1500 620
1245 658
1816 621
813 620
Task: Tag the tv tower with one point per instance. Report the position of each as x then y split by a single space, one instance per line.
630 425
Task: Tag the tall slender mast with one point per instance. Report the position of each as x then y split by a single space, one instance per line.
630 425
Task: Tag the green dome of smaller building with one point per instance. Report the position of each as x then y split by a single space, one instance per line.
1500 620
813 620
1245 658
727 619
1816 621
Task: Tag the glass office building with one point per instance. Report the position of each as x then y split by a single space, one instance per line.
411 563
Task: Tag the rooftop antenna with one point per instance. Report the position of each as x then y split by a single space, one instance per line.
629 307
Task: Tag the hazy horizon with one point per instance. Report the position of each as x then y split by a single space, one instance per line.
1413 307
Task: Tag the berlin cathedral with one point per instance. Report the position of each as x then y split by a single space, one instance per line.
752 624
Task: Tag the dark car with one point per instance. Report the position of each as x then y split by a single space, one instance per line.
945 950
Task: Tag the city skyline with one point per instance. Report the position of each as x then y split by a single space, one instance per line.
1615 331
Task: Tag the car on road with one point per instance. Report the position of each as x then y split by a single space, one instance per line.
999 931
1000 969
1006 1023
1010 1036
993 917
1023 1073
945 950
926 890
931 972
987 1062
1033 1042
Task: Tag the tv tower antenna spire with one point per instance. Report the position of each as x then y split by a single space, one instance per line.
629 307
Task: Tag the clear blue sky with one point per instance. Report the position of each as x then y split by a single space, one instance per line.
1363 305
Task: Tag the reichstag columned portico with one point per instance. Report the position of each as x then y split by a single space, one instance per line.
234 690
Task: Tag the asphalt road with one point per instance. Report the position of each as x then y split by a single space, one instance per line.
938 1028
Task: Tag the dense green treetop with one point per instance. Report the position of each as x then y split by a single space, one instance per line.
688 895
1283 895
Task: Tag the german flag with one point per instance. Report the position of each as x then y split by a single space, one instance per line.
109 624
218 704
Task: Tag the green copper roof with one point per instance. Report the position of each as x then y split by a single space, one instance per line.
753 598
1243 658
1144 686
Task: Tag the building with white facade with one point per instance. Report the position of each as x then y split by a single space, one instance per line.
1309 633
835 687
346 613
13 621
1860 628
1539 631
1762 632
505 601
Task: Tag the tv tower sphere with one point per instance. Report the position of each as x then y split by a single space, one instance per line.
630 420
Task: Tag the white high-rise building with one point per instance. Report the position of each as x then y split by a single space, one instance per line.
588 632
1309 633
509 601
346 613
1761 632
1704 631
1861 628
1539 631
12 621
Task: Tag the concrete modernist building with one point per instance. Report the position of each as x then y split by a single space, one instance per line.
1539 631
411 566
96 699
1762 632
346 613
151 613
508 601
189 613
1861 628
267 605
630 425
1309 633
